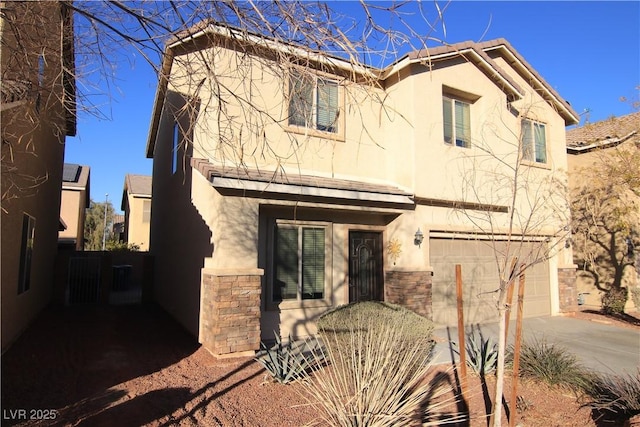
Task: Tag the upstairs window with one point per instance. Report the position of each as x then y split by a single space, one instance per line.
299 262
534 142
175 144
457 122
313 102
146 211
26 252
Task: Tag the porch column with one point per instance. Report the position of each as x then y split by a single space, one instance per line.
410 289
567 288
230 311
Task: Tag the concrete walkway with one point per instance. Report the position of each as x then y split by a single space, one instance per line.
602 347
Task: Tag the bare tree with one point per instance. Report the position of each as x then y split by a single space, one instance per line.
520 208
108 33
606 212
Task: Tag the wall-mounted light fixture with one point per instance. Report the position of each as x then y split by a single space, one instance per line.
418 238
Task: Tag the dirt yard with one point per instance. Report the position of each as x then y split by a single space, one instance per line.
134 366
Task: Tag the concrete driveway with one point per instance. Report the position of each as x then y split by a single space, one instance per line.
602 347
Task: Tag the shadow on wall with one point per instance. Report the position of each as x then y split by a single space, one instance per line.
180 239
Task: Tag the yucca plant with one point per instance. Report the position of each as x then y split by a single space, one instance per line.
287 362
380 381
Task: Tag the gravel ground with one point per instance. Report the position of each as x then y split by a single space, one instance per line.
134 366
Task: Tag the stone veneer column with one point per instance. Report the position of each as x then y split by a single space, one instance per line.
230 311
567 289
410 289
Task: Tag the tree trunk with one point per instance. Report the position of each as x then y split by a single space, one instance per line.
502 347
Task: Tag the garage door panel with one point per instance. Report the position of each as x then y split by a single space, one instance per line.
480 281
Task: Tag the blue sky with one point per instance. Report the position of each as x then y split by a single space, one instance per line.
588 51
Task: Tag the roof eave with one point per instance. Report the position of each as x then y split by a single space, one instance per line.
568 114
418 58
158 103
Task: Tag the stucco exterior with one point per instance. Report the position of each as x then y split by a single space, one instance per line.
588 147
36 116
382 175
74 201
136 204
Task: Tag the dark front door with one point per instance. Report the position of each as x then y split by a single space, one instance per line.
365 266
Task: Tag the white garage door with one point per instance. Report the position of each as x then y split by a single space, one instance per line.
479 280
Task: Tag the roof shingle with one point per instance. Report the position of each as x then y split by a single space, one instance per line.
614 128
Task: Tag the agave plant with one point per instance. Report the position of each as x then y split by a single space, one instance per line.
287 362
481 352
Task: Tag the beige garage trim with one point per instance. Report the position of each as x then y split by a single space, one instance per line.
480 279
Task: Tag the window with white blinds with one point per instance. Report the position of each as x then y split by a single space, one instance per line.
299 262
313 102
457 122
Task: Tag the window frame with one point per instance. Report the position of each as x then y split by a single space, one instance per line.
454 122
299 301
533 157
175 145
26 252
146 211
313 128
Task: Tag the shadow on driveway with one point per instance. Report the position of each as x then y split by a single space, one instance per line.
604 348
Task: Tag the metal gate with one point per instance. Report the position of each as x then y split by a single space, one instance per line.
93 279
83 283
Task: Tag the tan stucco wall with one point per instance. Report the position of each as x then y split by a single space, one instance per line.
72 212
137 228
43 158
587 161
399 141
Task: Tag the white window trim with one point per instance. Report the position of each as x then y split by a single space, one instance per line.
453 100
175 145
534 162
313 131
26 250
328 262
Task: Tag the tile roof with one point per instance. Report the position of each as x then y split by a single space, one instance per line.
209 171
612 129
138 184
477 48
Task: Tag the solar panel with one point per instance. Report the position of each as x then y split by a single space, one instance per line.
71 172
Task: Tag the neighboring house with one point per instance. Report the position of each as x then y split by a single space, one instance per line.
136 204
75 200
324 194
37 113
587 147
118 228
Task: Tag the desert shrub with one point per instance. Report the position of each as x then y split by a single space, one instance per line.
374 316
482 353
551 364
287 362
380 381
616 397
614 300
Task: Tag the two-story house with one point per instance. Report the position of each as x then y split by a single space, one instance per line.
76 197
136 204
590 148
288 182
37 113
